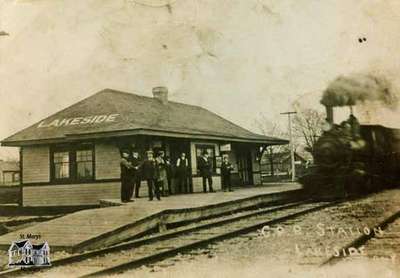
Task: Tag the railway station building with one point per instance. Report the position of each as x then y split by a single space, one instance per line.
73 156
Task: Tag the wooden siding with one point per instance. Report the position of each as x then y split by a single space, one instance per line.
254 161
88 194
36 164
198 183
107 158
256 167
257 178
9 194
70 194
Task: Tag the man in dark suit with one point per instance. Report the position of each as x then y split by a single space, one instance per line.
205 167
170 171
149 174
226 168
135 172
182 171
126 167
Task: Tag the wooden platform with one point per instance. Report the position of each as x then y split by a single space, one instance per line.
94 228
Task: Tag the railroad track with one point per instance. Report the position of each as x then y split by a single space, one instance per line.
383 243
149 250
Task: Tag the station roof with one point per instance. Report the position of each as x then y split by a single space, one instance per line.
111 113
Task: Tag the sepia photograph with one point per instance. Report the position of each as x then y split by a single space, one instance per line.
200 138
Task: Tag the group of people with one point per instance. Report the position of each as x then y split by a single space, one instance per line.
158 171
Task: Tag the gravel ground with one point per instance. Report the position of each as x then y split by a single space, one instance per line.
293 249
111 259
384 249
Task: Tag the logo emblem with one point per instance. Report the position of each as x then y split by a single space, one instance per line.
24 253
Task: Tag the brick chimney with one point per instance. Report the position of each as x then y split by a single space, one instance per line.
161 93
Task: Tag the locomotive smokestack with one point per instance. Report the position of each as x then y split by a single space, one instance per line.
329 114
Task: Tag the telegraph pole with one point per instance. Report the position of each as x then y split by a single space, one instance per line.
291 143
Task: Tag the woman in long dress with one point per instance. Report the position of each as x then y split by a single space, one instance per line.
162 178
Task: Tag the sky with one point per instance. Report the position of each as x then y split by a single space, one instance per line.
240 59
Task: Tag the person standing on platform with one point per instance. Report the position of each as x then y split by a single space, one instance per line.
170 170
226 168
161 172
205 167
182 170
149 174
126 167
136 175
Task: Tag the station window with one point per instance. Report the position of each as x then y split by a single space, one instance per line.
72 164
84 164
211 153
61 165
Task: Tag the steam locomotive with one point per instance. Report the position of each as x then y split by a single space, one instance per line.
352 159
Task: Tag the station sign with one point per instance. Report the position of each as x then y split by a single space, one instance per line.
157 144
87 120
225 148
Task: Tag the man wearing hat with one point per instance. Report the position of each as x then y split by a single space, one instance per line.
135 172
226 168
126 167
149 174
161 172
205 167
182 171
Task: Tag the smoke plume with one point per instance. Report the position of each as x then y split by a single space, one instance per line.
356 89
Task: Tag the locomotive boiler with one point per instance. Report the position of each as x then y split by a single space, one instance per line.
352 159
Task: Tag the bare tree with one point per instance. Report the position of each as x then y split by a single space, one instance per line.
267 128
307 125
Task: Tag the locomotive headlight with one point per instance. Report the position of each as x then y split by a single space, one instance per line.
326 126
358 144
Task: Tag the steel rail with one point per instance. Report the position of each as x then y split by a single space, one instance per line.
158 256
361 240
139 242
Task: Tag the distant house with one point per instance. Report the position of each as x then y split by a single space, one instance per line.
279 165
23 253
73 157
9 172
20 253
41 254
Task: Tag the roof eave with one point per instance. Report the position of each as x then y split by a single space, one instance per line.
104 135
